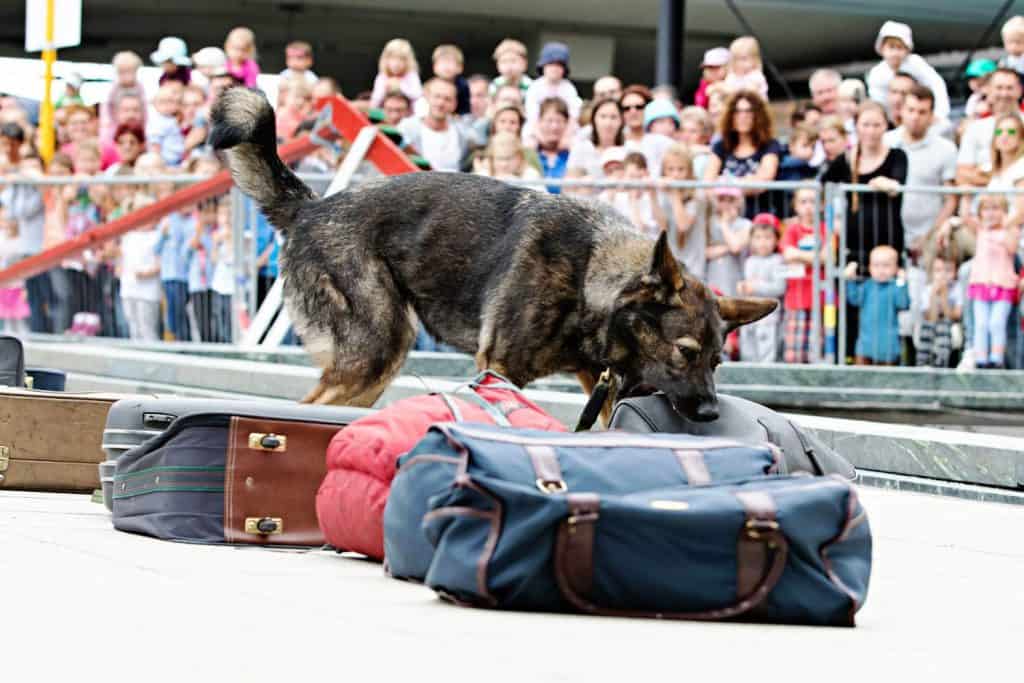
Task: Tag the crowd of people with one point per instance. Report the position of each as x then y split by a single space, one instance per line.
931 278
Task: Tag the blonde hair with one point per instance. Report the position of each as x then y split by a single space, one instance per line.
128 58
1013 26
746 46
701 117
503 144
865 107
886 249
999 200
509 45
246 36
448 50
684 156
398 47
999 164
853 89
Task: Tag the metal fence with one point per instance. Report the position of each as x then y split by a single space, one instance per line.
832 204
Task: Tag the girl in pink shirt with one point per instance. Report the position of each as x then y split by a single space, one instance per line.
240 47
992 286
397 70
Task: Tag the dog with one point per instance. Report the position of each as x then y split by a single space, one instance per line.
530 283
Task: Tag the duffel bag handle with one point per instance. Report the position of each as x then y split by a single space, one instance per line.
759 538
472 397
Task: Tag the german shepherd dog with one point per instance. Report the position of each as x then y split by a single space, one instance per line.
531 283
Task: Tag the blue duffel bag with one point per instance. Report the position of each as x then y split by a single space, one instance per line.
549 462
793 549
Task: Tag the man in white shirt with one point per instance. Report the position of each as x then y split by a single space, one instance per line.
436 136
974 162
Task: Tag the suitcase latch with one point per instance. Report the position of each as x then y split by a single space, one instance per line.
5 461
268 442
264 526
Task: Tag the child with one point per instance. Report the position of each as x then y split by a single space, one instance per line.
851 93
764 275
798 244
298 58
171 246
448 64
745 67
553 69
200 259
223 284
140 277
895 45
1013 43
208 63
796 164
941 306
163 130
993 282
83 214
298 104
613 167
240 47
510 58
728 237
172 57
14 308
879 300
126 71
397 70
977 74
688 240
661 118
504 159
713 69
638 203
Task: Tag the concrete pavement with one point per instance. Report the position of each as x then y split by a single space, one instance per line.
81 602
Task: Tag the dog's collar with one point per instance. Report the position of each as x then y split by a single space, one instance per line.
603 392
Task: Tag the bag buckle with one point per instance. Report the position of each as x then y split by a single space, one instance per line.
552 486
264 526
276 443
757 528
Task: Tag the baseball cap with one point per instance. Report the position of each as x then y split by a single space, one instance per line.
727 191
767 219
979 68
613 155
716 56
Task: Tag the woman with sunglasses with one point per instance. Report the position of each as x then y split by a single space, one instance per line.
747 149
634 99
1008 163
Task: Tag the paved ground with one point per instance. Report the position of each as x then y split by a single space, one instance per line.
81 602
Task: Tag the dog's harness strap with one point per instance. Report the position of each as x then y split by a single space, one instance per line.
598 398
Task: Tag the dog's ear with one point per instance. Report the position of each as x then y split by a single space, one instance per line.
736 311
664 266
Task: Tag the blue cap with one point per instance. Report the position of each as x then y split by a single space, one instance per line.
660 109
553 53
979 68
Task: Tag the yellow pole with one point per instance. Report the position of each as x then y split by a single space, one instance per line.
46 132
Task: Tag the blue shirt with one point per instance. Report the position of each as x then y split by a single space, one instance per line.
172 247
554 170
878 333
265 235
201 263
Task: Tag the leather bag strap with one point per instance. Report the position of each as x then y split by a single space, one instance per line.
762 550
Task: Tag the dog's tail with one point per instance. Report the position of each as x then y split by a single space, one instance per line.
244 126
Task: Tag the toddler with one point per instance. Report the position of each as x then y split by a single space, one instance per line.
727 240
172 57
163 130
851 93
796 164
223 284
895 45
879 299
504 159
126 73
1013 43
745 67
140 276
448 64
977 74
553 69
636 203
510 58
993 282
14 308
397 70
298 59
688 240
298 104
713 69
240 47
798 244
200 258
764 275
941 306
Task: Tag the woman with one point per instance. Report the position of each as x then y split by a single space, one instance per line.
551 125
1008 164
833 138
634 99
747 149
605 132
130 140
872 218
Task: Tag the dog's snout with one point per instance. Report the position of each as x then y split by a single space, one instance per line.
707 410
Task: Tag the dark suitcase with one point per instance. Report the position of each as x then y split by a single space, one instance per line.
738 419
794 549
550 462
51 441
244 472
12 362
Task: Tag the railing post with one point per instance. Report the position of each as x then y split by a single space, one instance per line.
816 327
839 221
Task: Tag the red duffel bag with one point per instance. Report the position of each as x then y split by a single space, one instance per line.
361 457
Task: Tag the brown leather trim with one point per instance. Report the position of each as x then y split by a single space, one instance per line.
456 511
577 546
751 554
546 467
853 520
229 488
694 467
495 516
759 528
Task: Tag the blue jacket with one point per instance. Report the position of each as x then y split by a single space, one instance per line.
201 265
878 333
172 248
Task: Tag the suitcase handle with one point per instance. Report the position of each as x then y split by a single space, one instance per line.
759 538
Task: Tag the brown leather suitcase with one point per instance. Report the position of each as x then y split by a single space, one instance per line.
51 440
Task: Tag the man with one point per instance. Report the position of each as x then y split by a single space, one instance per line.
436 136
824 85
396 107
931 160
479 98
607 88
974 162
899 86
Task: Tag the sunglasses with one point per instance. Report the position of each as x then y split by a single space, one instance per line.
632 107
1006 131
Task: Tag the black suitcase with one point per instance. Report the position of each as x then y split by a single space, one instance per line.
738 419
12 362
